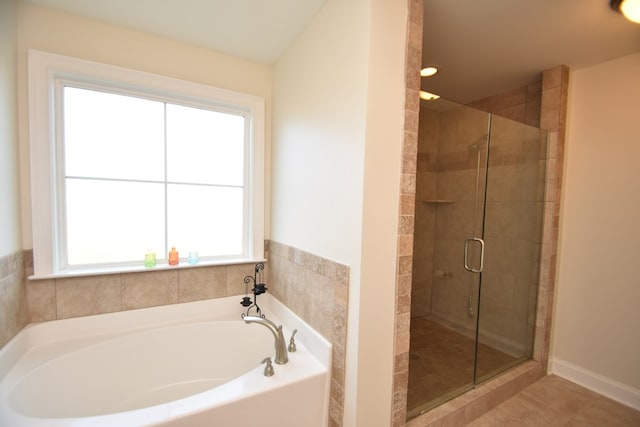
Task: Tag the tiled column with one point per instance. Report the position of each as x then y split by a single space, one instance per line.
407 212
553 118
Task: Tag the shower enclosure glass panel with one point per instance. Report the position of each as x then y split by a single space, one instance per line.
512 235
479 199
450 189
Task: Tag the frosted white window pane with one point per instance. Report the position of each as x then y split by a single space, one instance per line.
113 136
205 147
205 219
110 222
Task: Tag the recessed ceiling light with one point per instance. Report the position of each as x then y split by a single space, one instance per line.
428 96
629 8
428 71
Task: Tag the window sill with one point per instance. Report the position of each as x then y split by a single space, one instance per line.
101 271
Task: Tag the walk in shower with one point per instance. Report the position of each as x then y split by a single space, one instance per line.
477 238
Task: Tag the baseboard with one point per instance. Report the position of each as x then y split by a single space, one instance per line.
612 389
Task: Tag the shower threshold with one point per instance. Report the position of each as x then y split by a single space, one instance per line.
441 365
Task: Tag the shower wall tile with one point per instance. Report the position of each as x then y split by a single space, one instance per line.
406 225
14 312
554 77
410 164
520 104
316 289
412 100
407 206
551 100
422 273
408 183
458 185
410 147
555 88
426 185
508 99
405 245
513 185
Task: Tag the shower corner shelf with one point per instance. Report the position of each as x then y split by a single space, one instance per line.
437 201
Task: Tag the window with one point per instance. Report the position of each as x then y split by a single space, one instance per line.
124 162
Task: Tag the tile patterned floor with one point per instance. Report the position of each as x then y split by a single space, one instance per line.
441 364
554 401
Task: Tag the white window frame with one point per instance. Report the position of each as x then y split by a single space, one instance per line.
46 71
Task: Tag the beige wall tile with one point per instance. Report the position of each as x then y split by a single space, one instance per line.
14 312
236 275
149 289
552 78
200 283
4 267
316 289
10 309
83 296
42 300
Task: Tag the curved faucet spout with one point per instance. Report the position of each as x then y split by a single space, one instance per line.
281 348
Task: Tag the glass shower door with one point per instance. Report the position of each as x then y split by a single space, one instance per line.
450 196
477 238
512 235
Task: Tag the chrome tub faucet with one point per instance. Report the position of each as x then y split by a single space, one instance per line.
281 347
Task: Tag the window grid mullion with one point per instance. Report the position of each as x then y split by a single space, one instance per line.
166 189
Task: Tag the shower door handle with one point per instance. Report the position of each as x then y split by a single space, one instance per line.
466 255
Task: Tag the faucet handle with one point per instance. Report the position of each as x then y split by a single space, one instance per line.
292 344
268 370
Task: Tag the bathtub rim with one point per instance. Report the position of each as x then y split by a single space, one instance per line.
97 327
106 324
103 325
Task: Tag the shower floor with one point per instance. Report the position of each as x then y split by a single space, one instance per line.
441 364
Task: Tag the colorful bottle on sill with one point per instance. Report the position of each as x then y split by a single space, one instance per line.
150 259
174 258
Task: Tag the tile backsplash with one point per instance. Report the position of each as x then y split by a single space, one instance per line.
14 312
316 289
51 299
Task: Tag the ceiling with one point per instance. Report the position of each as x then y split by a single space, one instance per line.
482 47
485 47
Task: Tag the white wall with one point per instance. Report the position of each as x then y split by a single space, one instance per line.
10 240
317 151
337 132
382 176
318 134
58 32
597 312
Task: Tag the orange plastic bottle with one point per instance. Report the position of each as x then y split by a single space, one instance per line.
174 259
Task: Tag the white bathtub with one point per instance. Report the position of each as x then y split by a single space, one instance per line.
194 364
